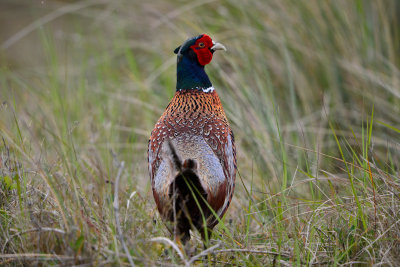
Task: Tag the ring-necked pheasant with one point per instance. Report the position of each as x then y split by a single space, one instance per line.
192 155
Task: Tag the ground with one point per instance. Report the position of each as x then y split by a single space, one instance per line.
311 90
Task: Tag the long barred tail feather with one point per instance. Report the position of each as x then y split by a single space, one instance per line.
175 158
187 196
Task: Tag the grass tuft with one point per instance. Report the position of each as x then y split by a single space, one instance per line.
311 89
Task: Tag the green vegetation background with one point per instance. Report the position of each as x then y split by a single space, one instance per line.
311 88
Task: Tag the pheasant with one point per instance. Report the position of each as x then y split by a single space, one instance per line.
191 152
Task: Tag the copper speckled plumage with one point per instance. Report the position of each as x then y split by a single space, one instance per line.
195 126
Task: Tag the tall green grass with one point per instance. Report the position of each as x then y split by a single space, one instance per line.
311 89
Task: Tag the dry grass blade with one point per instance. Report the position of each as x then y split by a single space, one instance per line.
243 250
48 18
310 89
116 211
204 253
40 256
41 229
173 245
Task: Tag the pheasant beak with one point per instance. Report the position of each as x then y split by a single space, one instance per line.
217 46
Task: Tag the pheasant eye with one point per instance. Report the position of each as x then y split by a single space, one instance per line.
202 45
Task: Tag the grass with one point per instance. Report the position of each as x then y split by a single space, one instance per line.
311 89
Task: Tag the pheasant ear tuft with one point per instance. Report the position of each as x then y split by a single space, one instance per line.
177 50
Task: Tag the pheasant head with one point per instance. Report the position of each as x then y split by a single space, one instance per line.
192 56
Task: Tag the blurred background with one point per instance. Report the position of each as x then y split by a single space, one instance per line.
308 86
291 64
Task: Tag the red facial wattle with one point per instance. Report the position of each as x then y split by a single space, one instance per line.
202 49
